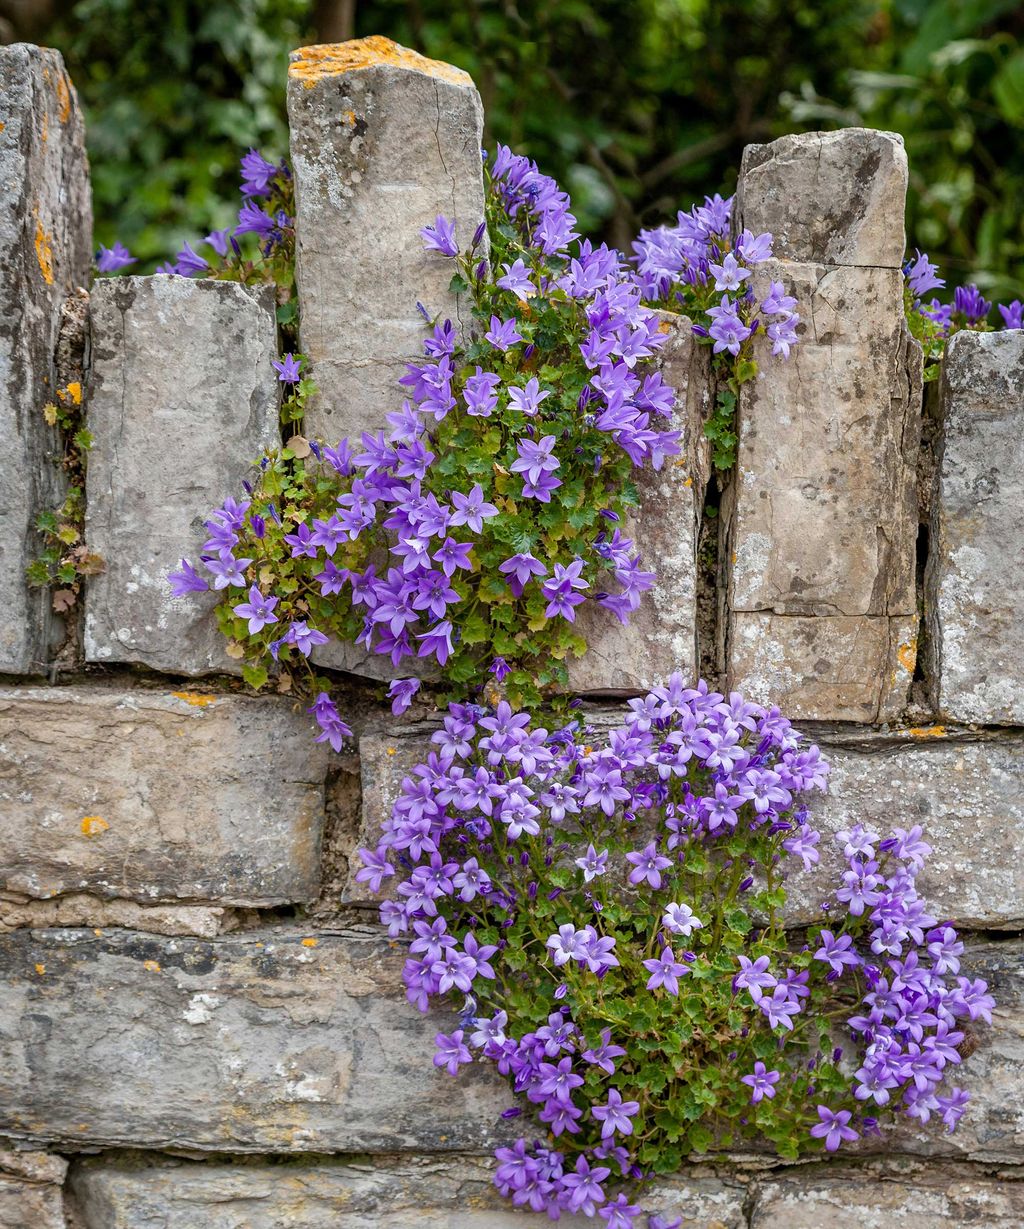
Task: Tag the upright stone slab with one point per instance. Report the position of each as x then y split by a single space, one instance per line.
975 580
661 636
158 796
182 402
382 141
45 251
271 1041
821 519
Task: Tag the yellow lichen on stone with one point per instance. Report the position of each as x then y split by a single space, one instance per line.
931 731
72 393
194 698
312 64
63 99
309 942
152 965
93 825
40 969
44 252
907 655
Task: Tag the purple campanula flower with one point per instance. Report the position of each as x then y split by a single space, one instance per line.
440 237
400 693
776 302
920 274
257 174
615 1115
471 510
218 240
332 729
187 580
500 668
451 1053
503 334
834 1128
304 638
753 976
375 869
969 301
287 369
228 571
189 263
837 953
754 249
727 330
259 610
109 260
762 1082
559 589
452 555
583 1185
480 393
782 334
253 221
593 863
665 971
729 275
528 398
1012 314
680 920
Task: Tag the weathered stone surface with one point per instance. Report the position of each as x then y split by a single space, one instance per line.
430 1193
967 795
45 252
921 1199
662 634
382 141
30 1190
158 796
80 909
182 401
975 583
271 1041
821 519
832 197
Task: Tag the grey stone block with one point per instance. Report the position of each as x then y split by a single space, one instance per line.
975 582
45 252
834 198
30 1190
968 796
662 633
159 796
267 1041
182 402
348 1193
821 517
859 1198
382 141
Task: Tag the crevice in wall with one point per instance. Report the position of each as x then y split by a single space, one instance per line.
707 596
924 692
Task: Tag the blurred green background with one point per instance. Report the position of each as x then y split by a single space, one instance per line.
637 107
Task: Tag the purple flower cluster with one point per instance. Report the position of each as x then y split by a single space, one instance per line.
688 264
969 308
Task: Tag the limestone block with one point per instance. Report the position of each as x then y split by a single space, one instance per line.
968 796
265 1041
30 1205
382 141
45 252
182 401
662 634
919 1199
975 582
831 197
81 909
428 1192
158 796
821 518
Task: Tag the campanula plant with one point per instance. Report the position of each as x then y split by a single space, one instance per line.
605 912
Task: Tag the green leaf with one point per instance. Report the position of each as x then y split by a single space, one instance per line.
255 676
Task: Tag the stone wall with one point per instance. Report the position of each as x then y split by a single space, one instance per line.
200 1023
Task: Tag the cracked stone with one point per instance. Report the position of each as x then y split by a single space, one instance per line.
975 575
158 797
182 402
382 141
45 254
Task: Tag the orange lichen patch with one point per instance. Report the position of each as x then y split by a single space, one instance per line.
931 731
311 64
44 252
349 117
93 825
310 942
97 931
63 99
72 394
152 965
40 969
390 750
194 698
906 654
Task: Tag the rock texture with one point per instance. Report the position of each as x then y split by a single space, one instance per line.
267 1041
158 796
428 1193
662 634
45 252
975 587
853 1199
821 519
182 402
382 141
30 1190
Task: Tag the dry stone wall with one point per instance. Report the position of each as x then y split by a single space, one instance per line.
200 1022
